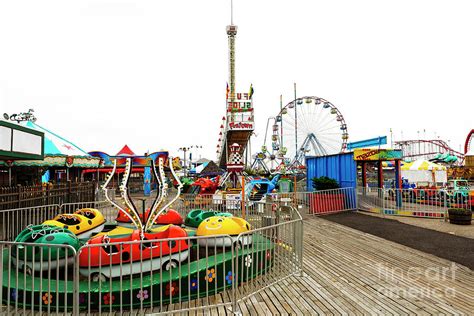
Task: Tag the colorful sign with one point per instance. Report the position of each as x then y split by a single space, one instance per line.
240 103
19 142
377 154
240 126
70 161
372 142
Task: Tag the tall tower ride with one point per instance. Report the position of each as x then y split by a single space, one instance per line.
238 123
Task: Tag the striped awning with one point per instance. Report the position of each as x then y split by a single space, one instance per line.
422 165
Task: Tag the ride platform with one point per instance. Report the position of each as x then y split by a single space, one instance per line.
207 274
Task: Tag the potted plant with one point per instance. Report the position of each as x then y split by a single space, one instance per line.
326 198
324 183
459 216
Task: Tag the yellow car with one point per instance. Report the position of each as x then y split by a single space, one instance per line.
83 223
220 225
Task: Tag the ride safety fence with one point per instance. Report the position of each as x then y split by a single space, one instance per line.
311 203
411 202
146 276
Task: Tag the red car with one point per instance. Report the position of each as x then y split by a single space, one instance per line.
108 257
204 186
167 217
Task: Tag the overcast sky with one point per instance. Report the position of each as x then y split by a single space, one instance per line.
152 74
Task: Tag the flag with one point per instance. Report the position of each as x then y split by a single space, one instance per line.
251 91
227 90
176 163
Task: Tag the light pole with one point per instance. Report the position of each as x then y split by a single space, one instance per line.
184 150
197 147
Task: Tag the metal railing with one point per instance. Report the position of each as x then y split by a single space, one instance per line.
313 203
15 220
428 203
34 275
319 202
166 275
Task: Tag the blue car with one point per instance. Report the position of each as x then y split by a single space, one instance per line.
257 188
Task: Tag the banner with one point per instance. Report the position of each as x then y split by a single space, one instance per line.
377 154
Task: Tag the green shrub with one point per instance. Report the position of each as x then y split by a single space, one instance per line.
324 183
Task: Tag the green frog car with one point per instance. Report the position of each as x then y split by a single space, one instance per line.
457 191
195 217
44 247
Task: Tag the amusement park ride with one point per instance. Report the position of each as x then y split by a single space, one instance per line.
469 143
306 126
134 246
428 149
237 125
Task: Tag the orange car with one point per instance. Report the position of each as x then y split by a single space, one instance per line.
108 257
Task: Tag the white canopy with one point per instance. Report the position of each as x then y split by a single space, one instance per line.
422 164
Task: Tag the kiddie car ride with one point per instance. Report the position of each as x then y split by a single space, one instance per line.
37 258
108 257
83 223
169 216
220 225
195 217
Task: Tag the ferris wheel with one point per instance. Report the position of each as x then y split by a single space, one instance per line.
308 126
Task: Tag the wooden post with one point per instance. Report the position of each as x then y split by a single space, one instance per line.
19 196
398 184
95 189
364 174
48 193
69 191
243 197
380 173
294 191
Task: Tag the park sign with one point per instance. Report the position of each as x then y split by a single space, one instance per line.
372 142
239 102
365 154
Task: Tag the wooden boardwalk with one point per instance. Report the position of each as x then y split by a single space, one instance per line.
349 272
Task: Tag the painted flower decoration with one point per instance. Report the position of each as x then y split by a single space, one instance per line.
82 298
210 275
14 294
171 289
47 298
142 295
248 261
194 284
229 277
108 299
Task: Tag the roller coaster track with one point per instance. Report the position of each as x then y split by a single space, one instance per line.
427 149
469 142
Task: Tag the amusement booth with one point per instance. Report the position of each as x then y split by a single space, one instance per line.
42 156
424 171
347 168
18 143
375 158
